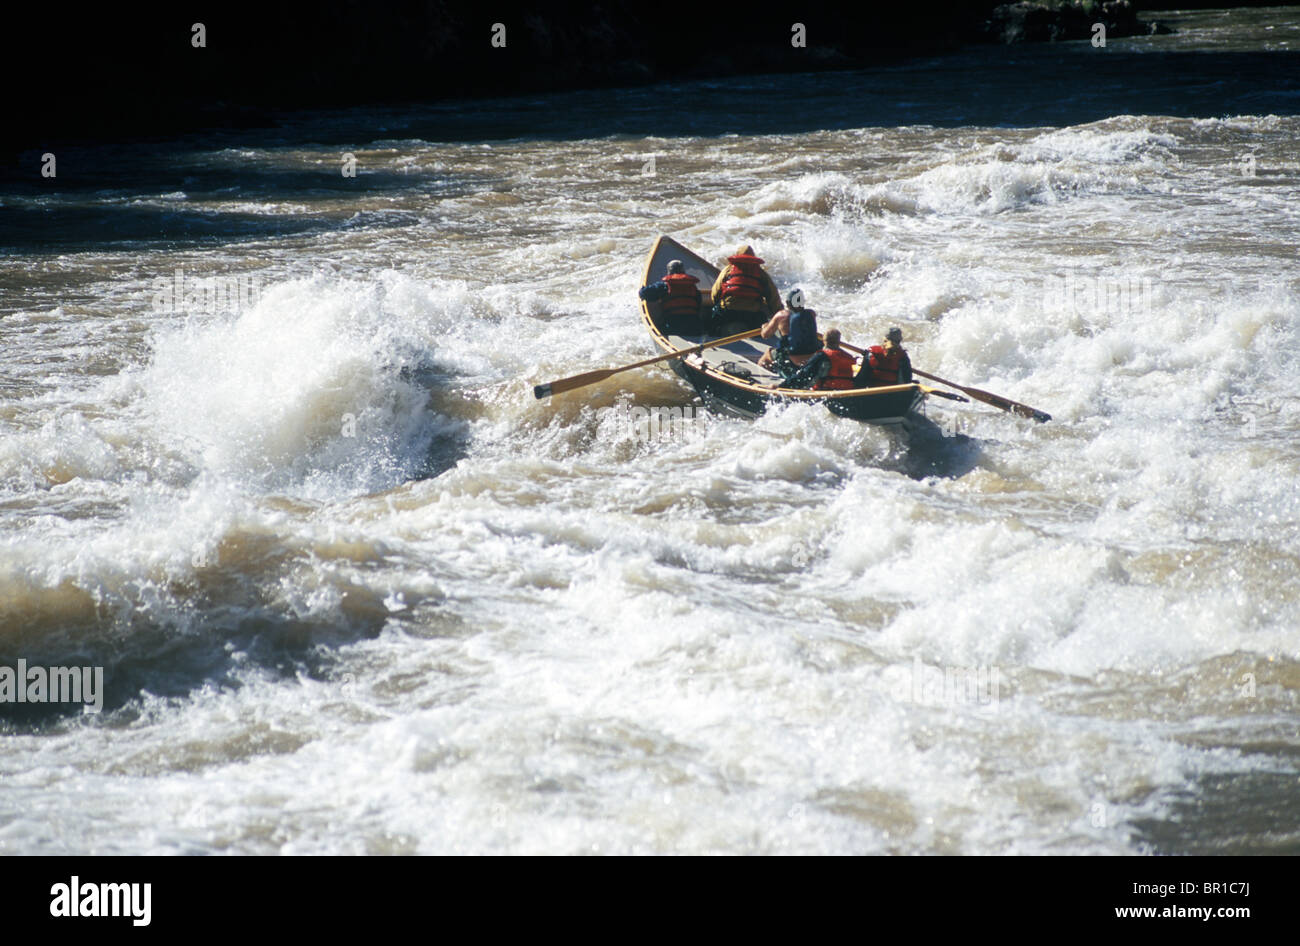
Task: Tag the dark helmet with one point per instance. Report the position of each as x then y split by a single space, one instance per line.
895 335
795 300
676 266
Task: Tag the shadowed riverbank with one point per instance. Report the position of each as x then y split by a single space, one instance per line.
127 74
117 193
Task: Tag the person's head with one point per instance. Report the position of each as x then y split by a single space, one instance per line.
833 339
795 300
894 336
676 267
745 252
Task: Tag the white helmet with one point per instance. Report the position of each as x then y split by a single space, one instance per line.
795 299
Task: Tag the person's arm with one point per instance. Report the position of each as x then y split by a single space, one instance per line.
716 295
773 293
904 368
863 378
816 368
653 292
772 326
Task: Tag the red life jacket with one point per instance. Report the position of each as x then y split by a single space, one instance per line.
683 296
840 377
884 366
744 286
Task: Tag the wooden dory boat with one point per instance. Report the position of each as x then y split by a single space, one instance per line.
718 374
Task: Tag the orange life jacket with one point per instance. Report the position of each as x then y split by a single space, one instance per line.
840 377
884 365
683 295
744 286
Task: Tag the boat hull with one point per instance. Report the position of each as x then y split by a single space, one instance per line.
716 373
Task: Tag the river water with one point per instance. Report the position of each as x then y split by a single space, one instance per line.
269 456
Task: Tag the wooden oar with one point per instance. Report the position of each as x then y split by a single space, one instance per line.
591 377
1002 403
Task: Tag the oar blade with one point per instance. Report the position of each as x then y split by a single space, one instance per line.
994 400
1010 406
1001 403
541 391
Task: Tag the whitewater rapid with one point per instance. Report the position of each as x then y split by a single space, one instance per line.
356 591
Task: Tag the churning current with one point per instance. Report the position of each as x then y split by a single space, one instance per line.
270 458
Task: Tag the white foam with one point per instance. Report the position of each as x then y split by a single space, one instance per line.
572 640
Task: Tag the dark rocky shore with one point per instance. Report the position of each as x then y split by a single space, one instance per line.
110 73
1028 22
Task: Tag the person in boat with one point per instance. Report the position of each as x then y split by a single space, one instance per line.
795 331
679 294
830 369
885 364
743 294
